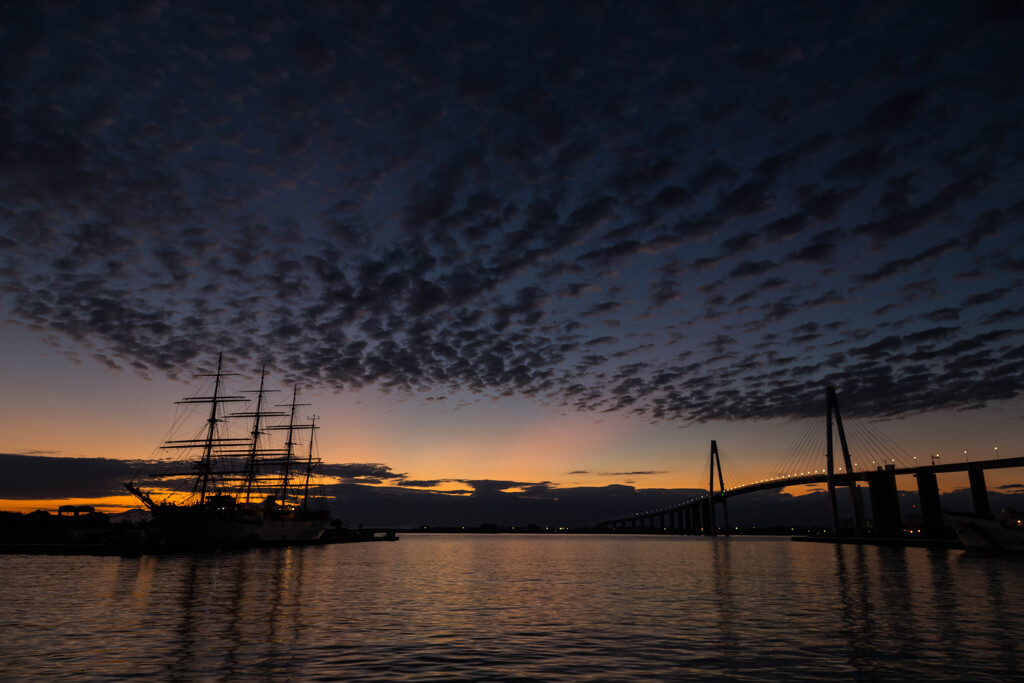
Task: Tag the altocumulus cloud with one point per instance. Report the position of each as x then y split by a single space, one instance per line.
370 195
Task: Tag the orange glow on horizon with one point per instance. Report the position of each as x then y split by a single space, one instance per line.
108 504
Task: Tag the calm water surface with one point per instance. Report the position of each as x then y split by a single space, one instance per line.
517 608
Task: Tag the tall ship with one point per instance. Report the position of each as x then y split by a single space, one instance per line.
247 477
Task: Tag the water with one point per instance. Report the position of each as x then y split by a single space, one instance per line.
517 608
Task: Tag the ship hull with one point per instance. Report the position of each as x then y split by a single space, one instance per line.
981 533
202 528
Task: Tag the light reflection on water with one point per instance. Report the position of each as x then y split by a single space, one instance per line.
508 607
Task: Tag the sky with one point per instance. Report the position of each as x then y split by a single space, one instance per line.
512 252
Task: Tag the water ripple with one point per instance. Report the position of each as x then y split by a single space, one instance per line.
516 608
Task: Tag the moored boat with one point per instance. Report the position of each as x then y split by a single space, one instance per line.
232 488
1001 533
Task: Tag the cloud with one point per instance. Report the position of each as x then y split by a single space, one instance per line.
423 483
898 266
484 487
34 477
894 114
752 268
541 505
629 474
352 471
860 165
365 202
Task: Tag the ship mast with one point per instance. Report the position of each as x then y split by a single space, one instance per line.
289 445
208 443
206 459
309 463
254 447
288 448
288 454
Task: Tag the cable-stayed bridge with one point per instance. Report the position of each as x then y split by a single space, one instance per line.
877 467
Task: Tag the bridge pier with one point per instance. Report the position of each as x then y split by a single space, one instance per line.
885 503
931 507
979 494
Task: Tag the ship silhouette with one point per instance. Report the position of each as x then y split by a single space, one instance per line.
239 479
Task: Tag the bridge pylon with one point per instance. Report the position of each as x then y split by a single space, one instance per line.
716 461
832 406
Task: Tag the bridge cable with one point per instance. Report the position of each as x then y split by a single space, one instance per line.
866 447
785 466
885 444
885 448
800 451
735 474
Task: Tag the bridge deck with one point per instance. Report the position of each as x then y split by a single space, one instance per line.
841 479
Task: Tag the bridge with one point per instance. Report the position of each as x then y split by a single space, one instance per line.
698 515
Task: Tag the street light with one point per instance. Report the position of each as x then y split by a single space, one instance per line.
965 457
996 449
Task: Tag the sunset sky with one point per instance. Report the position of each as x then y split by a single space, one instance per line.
540 249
